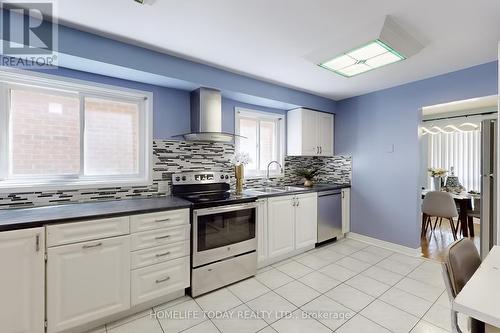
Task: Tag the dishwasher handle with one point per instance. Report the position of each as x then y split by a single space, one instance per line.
331 192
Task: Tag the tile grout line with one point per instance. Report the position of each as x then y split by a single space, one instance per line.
317 270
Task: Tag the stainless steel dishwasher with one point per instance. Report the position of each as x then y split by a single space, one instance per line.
329 215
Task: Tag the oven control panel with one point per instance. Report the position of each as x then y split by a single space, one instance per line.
200 177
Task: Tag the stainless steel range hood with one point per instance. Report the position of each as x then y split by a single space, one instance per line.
206 117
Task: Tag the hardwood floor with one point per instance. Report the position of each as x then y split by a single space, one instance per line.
434 243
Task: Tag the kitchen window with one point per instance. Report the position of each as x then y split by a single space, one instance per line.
264 134
61 134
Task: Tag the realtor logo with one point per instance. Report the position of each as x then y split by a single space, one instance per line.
29 34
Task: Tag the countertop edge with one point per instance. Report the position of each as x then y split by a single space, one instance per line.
33 217
313 189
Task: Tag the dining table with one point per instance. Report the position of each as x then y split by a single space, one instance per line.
463 201
480 297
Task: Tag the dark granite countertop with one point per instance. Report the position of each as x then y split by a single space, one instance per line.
21 218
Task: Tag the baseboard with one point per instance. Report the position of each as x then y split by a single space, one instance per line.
386 245
270 261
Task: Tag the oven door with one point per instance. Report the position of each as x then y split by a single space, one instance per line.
223 232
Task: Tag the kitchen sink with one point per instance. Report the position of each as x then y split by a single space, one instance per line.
267 189
275 189
291 188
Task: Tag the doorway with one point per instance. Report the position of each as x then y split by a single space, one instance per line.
452 138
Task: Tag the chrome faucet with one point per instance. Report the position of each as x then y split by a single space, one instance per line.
281 169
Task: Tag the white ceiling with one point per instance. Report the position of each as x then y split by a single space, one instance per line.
273 40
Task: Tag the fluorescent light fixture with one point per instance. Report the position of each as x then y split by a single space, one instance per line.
363 59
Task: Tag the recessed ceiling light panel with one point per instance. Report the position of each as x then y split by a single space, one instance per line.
363 59
391 45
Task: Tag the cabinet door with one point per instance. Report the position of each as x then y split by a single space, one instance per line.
346 210
310 145
325 132
306 220
87 281
22 281
281 225
262 234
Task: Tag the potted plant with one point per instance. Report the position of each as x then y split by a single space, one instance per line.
437 174
239 160
308 174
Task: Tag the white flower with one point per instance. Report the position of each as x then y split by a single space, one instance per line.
240 159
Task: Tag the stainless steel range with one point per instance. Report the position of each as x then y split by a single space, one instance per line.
224 230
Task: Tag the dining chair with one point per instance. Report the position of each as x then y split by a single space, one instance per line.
461 261
440 205
473 212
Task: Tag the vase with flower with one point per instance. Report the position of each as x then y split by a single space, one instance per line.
437 175
239 160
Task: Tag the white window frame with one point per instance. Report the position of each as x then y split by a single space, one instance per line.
12 78
258 115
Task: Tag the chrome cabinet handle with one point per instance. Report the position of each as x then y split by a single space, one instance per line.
91 246
163 220
162 254
162 237
317 150
298 202
163 280
320 150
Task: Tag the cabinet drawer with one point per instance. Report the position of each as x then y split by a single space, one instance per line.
159 280
159 220
147 239
159 254
69 233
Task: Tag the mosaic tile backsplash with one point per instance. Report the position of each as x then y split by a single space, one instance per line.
181 156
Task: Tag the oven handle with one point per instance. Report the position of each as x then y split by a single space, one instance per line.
222 209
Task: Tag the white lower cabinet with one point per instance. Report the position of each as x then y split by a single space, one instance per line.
87 281
262 233
291 224
346 210
306 220
281 225
22 281
154 281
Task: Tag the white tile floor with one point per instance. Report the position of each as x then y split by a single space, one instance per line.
345 287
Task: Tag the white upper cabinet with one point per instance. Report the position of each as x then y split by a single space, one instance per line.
325 133
22 281
310 133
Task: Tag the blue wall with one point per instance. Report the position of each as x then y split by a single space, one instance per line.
88 52
385 192
228 106
170 106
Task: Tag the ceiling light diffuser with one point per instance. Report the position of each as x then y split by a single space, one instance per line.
363 59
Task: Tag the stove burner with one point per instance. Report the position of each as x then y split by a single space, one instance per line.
206 188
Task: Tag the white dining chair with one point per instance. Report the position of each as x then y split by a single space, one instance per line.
440 205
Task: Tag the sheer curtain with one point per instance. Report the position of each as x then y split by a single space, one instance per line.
461 150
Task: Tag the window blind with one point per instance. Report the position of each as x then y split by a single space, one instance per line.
461 150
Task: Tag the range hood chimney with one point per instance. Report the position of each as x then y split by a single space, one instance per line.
206 117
